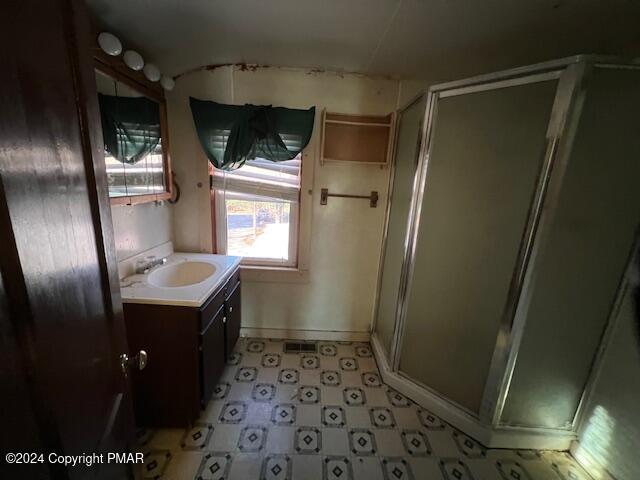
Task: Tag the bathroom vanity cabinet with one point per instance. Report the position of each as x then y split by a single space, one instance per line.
187 348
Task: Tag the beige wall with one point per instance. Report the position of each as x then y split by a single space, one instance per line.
346 234
138 228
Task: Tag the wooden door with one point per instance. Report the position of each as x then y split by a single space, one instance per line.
61 325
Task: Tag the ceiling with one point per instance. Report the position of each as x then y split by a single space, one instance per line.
417 39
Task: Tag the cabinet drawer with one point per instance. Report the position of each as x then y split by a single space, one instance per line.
231 283
209 309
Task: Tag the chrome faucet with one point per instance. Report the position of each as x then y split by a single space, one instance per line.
145 265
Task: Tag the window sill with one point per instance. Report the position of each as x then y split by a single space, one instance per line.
252 273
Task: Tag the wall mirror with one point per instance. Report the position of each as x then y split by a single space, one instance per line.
134 130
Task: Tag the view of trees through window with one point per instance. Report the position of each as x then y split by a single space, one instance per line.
258 228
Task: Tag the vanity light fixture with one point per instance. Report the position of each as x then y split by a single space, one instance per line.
133 60
151 72
167 83
110 44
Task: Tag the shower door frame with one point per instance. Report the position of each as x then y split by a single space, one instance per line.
399 112
568 72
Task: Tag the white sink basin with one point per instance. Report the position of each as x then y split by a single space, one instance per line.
181 274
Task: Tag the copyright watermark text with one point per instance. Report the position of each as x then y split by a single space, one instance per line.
86 459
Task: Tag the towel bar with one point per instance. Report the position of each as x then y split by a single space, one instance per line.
324 195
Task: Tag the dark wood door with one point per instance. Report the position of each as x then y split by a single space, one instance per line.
61 326
232 332
212 355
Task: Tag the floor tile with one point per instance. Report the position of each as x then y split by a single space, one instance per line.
255 346
327 415
271 360
263 392
382 417
331 395
407 418
309 394
246 466
443 444
352 379
225 437
239 391
429 420
416 443
335 441
309 362
396 468
197 437
371 379
336 467
455 469
283 414
253 438
396 399
276 467
281 440
308 415
389 443
183 465
246 374
354 396
166 439
307 440
358 417
333 416
369 468
426 468
468 446
155 463
377 397
327 349
330 378
348 364
289 376
307 467
362 442
233 412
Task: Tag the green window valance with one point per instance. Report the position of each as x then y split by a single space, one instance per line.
233 134
130 126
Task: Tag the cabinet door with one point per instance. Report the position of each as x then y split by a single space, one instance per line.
232 330
211 355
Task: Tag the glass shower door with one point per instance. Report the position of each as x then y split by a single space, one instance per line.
405 163
486 152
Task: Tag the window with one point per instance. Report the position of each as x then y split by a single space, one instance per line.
257 211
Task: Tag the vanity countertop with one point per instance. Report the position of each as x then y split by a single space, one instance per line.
138 289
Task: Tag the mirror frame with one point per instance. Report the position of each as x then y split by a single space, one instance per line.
116 69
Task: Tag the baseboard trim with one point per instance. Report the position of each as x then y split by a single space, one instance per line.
298 334
492 438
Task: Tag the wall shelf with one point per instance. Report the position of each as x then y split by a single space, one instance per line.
361 139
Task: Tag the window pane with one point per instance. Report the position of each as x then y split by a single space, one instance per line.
258 228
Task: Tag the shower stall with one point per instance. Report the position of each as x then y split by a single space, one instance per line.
514 205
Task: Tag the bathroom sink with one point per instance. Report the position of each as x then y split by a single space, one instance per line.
181 274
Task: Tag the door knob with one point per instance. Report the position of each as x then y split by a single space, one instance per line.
140 359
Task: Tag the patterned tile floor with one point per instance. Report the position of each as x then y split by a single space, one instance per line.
327 416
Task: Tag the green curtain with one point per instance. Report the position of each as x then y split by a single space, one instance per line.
130 126
233 134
